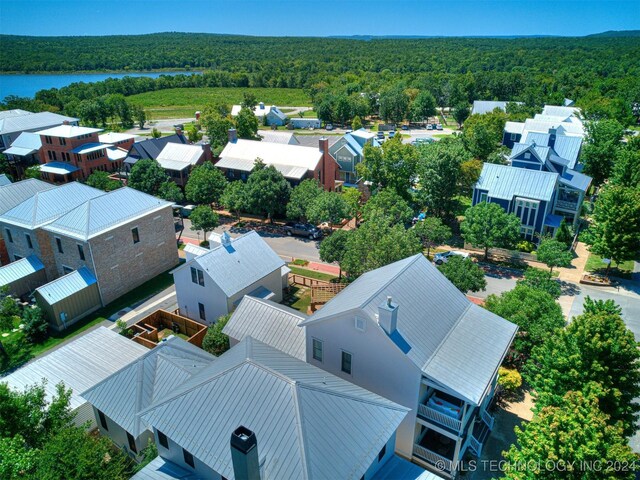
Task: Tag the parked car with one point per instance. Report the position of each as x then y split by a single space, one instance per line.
302 230
328 126
380 135
392 134
439 126
186 210
443 257
405 127
429 126
422 141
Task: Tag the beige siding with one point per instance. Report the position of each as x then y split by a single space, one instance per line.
75 307
27 284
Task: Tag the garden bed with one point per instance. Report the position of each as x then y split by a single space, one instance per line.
596 280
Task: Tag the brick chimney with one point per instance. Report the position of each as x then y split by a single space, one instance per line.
233 135
329 166
66 122
552 137
388 316
244 454
178 129
206 148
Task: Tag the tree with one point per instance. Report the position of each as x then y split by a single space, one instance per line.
139 115
600 148
193 133
267 191
553 253
147 176
328 207
464 274
564 233
487 225
460 113
392 166
469 174
534 311
332 248
566 440
483 134
214 341
423 106
249 101
32 172
509 380
203 218
206 184
155 133
594 307
616 223
247 124
217 128
302 196
431 232
389 204
626 170
9 309
352 197
170 192
394 103
36 327
101 181
542 280
356 124
233 197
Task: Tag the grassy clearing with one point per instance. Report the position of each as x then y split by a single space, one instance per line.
595 264
327 277
184 102
299 298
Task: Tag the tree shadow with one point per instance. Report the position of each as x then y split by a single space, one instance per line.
569 289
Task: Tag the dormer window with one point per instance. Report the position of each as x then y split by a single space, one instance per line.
527 156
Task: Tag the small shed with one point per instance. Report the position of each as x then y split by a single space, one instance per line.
23 276
69 298
305 122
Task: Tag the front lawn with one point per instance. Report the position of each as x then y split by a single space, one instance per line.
327 277
594 264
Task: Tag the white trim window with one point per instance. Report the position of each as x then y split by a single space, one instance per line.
346 362
527 211
484 197
317 349
360 324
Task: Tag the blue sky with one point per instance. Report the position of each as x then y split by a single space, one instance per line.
319 18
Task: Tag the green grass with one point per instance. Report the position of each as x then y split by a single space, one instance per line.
462 204
184 102
327 277
594 264
299 298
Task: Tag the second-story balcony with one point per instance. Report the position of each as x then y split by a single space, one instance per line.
567 205
444 410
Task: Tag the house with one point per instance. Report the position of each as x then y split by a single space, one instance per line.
120 397
212 284
563 120
14 122
529 194
349 152
25 151
256 412
276 117
151 148
278 136
259 110
23 276
296 163
178 160
118 140
79 365
305 122
480 107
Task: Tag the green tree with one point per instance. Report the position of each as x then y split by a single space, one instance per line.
170 192
431 232
600 148
101 181
147 176
352 197
267 191
36 327
464 274
249 101
302 196
553 253
333 247
214 341
203 218
392 166
193 133
469 174
328 207
460 112
540 279
394 104
594 307
4 165
483 134
487 225
32 172
356 124
217 128
423 106
233 198
8 309
573 432
206 184
155 133
389 204
564 233
247 124
139 115
626 170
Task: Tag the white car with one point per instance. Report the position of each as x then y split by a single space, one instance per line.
443 257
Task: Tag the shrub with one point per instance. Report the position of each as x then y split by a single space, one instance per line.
509 380
525 246
125 331
36 327
301 262
216 342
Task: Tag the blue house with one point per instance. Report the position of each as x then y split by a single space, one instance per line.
349 152
275 116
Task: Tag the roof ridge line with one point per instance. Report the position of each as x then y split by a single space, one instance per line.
414 259
432 356
347 396
299 420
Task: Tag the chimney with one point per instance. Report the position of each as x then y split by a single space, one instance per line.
388 316
324 144
261 105
225 239
206 148
233 135
552 137
244 454
66 122
178 129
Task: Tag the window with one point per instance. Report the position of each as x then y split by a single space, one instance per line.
59 245
346 362
513 137
360 325
9 236
132 443
201 278
317 350
81 251
162 439
188 458
483 197
527 156
201 310
382 452
62 141
47 139
135 235
66 269
103 420
28 237
197 276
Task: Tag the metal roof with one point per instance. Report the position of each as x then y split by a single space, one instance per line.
148 379
48 204
114 154
397 468
277 112
543 125
569 148
560 111
151 148
16 112
16 193
308 422
431 312
67 285
314 140
576 180
161 469
514 127
25 144
19 269
68 131
257 110
553 220
106 211
243 262
270 323
293 161
89 147
279 137
59 168
113 137
32 121
481 107
4 180
175 156
505 182
79 364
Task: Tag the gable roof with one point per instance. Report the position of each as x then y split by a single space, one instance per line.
4 180
436 323
576 180
301 415
14 194
560 111
32 121
47 205
269 322
104 212
279 137
114 137
19 269
176 156
149 378
480 107
277 112
67 285
16 112
239 264
314 140
25 144
151 148
80 364
505 182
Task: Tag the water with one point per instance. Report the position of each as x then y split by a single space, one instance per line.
28 85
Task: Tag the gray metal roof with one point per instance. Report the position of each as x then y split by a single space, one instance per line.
48 204
161 469
481 107
505 182
4 180
13 113
576 180
279 137
58 168
25 144
567 148
148 379
176 156
19 269
308 422
431 313
314 140
397 468
32 121
67 285
80 364
243 262
16 193
102 213
270 323
151 148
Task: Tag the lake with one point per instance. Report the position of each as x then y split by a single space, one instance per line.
28 85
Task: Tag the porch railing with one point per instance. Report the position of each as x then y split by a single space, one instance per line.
567 205
443 463
475 445
487 418
437 417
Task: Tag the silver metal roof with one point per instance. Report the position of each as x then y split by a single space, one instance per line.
19 269
270 323
16 112
25 142
80 364
90 147
432 314
32 121
4 180
161 469
308 422
58 168
481 107
272 136
397 468
67 285
576 180
69 131
505 182
176 156
566 147
243 262
15 193
148 379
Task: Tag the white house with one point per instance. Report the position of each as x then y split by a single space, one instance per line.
212 284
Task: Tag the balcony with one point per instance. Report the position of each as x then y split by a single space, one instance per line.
435 449
567 205
444 410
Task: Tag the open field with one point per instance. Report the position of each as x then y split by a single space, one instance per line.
183 102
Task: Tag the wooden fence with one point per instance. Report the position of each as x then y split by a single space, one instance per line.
146 330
